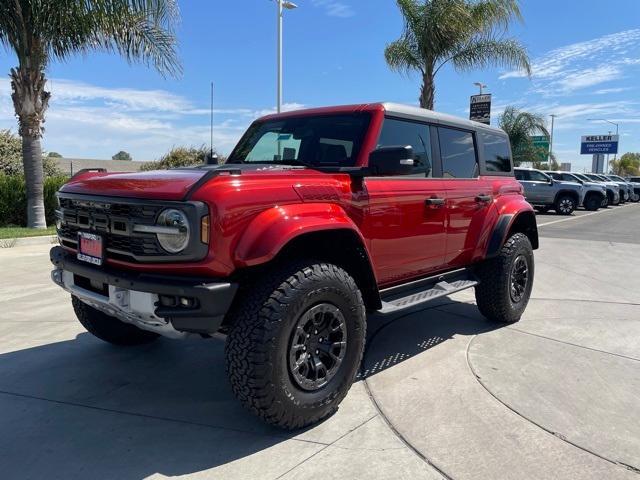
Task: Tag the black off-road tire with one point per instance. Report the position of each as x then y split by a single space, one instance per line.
565 205
258 346
592 202
108 328
493 293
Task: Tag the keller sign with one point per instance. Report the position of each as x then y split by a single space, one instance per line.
599 144
480 108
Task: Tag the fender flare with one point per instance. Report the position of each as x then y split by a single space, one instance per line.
505 224
573 193
271 230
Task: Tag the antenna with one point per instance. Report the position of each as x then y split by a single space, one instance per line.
211 129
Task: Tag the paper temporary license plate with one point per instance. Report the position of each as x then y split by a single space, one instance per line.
90 248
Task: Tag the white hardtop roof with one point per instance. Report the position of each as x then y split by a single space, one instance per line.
417 113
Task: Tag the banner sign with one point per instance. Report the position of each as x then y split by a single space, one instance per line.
480 108
599 144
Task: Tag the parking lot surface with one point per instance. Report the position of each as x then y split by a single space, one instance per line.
442 392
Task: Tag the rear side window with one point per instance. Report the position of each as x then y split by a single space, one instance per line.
458 153
401 133
497 156
521 175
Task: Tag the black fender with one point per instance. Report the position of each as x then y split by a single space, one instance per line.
510 223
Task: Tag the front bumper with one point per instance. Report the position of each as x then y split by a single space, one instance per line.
146 300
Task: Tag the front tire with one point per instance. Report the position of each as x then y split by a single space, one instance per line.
592 202
506 281
109 329
296 343
565 205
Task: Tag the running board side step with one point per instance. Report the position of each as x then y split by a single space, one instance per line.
397 299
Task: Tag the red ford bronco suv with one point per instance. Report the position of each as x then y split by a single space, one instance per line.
318 217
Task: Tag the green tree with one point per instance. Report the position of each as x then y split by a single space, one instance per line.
11 157
122 155
469 34
39 32
628 165
54 155
181 157
520 126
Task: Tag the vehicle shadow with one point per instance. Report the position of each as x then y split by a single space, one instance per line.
411 334
84 409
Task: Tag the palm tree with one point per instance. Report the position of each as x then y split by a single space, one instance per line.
466 33
41 31
520 126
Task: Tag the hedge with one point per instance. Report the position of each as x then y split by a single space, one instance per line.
13 199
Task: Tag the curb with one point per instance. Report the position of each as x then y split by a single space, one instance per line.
27 241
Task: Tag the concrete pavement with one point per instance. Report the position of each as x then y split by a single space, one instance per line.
442 394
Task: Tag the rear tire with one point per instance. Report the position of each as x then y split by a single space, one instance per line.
296 343
506 281
109 329
565 205
592 202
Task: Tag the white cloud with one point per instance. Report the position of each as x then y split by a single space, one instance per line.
607 91
580 65
335 9
90 121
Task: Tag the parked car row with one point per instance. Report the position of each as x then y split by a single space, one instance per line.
564 192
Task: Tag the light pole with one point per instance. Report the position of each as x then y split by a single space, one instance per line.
282 4
480 85
615 156
553 118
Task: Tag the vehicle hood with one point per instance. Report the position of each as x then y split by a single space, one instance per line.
175 184
599 186
574 185
161 184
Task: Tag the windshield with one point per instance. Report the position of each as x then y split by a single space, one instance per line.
616 178
582 177
321 141
594 177
634 179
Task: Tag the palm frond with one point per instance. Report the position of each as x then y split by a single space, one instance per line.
139 30
401 56
484 53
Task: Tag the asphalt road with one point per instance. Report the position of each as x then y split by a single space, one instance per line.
442 393
614 224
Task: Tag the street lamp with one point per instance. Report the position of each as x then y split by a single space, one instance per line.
282 5
480 85
553 118
615 156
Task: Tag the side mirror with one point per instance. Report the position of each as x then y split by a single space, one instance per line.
395 160
550 180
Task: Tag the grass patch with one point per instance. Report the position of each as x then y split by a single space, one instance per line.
20 232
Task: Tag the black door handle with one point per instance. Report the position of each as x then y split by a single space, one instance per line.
434 201
483 198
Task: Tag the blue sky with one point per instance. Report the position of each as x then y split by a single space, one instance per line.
586 58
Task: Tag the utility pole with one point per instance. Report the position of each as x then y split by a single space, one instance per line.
553 118
282 4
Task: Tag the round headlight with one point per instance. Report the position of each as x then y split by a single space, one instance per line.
176 241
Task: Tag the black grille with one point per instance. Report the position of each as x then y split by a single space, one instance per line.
114 219
118 246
